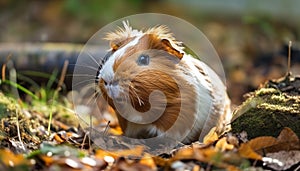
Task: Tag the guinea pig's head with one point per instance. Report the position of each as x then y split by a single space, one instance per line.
138 63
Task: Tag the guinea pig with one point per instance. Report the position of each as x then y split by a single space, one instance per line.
158 89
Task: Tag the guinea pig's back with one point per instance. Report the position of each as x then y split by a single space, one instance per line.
213 104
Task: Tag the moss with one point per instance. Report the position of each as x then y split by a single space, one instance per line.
7 106
267 111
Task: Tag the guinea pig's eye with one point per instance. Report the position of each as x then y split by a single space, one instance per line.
143 59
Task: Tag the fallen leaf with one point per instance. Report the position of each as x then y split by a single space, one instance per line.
260 143
247 152
148 161
211 137
102 154
47 160
159 161
287 140
135 152
116 131
222 145
10 159
58 139
184 154
123 165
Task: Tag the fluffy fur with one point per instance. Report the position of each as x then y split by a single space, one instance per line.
194 100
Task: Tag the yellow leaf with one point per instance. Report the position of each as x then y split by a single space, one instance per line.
11 159
211 137
148 161
223 145
247 152
116 131
137 151
184 153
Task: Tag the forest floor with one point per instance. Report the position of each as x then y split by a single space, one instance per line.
40 131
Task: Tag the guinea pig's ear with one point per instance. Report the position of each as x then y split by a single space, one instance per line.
115 44
167 46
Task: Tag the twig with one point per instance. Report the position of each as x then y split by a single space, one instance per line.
18 131
4 67
289 60
106 128
63 75
83 141
3 71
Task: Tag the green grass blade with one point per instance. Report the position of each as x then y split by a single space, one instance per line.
21 88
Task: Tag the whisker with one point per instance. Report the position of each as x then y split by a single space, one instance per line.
130 99
85 81
92 97
85 66
90 86
90 55
92 81
83 75
137 96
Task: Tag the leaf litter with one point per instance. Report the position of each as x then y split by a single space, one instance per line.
66 148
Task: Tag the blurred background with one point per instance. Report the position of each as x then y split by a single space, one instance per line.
250 36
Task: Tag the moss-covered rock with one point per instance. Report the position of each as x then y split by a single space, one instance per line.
269 109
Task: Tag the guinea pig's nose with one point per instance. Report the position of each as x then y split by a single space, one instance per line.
113 82
112 88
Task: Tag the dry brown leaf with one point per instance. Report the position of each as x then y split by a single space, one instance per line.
247 152
260 143
287 140
211 137
290 138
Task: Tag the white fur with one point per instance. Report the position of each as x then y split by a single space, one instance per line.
197 81
107 72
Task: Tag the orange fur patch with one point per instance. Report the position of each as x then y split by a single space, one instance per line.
153 80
